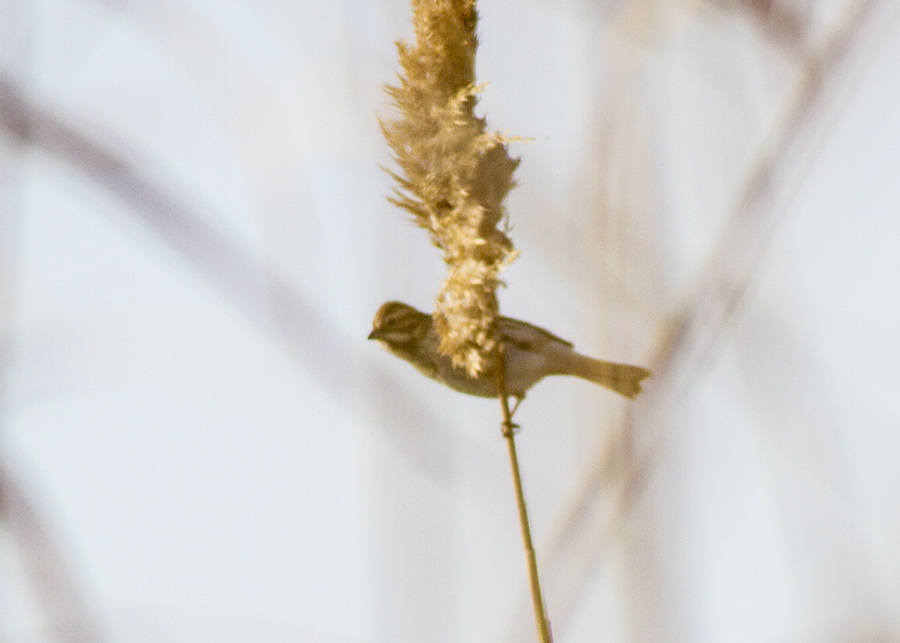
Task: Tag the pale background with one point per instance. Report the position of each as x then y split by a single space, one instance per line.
197 444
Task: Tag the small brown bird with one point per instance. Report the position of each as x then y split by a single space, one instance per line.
531 353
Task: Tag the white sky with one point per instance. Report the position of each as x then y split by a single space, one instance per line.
210 475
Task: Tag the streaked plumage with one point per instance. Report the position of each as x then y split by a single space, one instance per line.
532 353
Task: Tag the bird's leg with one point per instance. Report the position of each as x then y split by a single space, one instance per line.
519 399
509 429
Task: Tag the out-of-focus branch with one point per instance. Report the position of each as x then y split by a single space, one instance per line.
614 482
782 22
340 363
258 292
55 589
824 80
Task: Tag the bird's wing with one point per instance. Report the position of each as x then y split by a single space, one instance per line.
527 335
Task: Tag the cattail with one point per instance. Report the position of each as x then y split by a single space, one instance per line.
453 174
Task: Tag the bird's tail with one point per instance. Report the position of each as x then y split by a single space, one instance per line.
621 378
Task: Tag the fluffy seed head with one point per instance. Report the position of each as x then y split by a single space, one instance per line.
454 174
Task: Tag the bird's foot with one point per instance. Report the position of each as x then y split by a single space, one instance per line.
510 429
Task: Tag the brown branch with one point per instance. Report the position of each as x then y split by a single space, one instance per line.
509 433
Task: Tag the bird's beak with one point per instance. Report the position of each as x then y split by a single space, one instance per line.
374 334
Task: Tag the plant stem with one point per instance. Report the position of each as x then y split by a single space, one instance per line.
543 623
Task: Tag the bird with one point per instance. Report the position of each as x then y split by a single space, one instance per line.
531 353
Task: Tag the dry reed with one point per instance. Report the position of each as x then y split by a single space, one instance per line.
453 174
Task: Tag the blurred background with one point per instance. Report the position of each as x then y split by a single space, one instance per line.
197 444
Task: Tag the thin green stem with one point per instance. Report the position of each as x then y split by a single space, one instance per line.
509 432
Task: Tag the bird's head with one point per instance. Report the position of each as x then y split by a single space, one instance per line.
397 324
